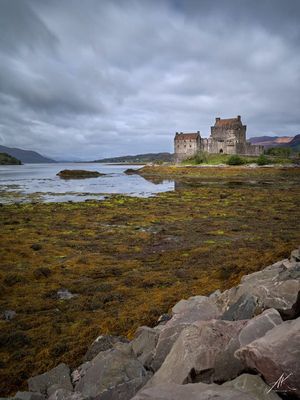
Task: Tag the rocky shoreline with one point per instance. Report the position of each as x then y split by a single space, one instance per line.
243 343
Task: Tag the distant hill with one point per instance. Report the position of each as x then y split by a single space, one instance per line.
295 143
26 156
139 158
272 141
6 159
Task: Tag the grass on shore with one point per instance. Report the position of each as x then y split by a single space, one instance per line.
130 259
216 159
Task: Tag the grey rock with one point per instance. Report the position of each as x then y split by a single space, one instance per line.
29 396
8 315
276 355
185 312
65 294
193 356
102 343
144 343
112 374
59 375
63 394
166 340
295 255
252 384
196 391
293 312
227 366
244 308
275 287
259 326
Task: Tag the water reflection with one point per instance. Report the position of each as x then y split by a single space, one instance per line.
38 182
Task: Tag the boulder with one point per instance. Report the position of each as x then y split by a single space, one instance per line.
227 366
244 308
102 343
143 345
29 396
185 312
59 376
112 374
276 357
65 294
196 391
193 356
254 385
295 255
257 327
8 315
293 312
63 394
275 287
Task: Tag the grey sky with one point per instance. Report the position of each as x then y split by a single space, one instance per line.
95 78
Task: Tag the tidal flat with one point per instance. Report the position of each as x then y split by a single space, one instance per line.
127 260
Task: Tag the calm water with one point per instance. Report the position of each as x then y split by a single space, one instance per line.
38 182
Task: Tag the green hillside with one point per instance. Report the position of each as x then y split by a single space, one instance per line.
6 159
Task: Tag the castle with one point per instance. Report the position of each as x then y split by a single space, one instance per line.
227 136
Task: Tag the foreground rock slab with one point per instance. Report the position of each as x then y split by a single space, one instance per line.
185 312
59 376
276 286
193 356
254 385
112 374
197 391
276 357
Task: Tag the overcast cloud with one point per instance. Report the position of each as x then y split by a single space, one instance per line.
95 78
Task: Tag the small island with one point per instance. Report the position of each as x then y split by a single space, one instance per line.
6 159
78 174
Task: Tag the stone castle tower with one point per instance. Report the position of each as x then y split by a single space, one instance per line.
227 136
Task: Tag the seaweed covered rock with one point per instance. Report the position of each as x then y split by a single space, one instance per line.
78 174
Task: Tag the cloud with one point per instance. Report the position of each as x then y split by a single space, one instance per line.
99 78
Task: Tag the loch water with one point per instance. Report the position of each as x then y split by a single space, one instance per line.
39 182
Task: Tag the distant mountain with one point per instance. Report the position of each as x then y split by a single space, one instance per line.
295 143
272 141
26 156
6 159
139 158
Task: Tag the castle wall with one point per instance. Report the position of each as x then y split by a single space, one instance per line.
186 148
249 149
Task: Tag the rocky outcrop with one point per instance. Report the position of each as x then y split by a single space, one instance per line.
102 343
243 343
112 374
197 308
276 357
58 376
244 387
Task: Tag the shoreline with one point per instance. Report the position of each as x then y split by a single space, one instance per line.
124 261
